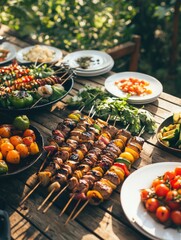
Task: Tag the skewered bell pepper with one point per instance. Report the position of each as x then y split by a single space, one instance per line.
95 197
123 160
123 167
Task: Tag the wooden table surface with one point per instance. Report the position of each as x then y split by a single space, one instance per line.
106 221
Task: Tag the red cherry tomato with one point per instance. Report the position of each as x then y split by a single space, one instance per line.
178 170
170 200
161 190
152 204
173 181
145 194
157 181
171 195
176 217
162 213
169 175
177 184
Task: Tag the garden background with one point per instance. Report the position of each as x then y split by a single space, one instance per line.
101 24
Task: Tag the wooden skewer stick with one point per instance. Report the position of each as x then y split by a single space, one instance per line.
43 163
36 102
82 108
66 78
93 114
55 198
81 209
108 118
68 219
66 206
127 126
27 196
91 110
142 131
46 199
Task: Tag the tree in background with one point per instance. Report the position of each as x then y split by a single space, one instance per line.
101 24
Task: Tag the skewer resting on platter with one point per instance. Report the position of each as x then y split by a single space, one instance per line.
94 193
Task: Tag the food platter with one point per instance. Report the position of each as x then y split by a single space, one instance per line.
56 54
14 169
165 123
154 85
65 79
133 207
11 54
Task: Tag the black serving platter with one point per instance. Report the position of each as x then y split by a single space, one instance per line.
26 163
67 84
165 123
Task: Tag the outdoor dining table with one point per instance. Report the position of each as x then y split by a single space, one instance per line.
106 221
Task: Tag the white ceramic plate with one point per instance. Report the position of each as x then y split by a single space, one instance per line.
12 51
133 207
96 72
154 85
56 56
99 60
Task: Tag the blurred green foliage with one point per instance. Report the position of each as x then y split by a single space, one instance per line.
99 24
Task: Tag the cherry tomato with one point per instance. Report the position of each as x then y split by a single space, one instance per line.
177 184
157 181
169 175
161 190
176 217
173 181
171 199
152 204
162 213
145 193
178 171
29 133
171 195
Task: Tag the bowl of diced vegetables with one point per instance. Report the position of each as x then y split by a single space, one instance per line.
169 133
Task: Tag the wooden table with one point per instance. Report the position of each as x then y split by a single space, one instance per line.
106 221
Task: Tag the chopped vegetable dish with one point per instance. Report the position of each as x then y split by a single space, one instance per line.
134 86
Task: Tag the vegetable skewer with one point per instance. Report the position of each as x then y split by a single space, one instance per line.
60 180
104 187
67 125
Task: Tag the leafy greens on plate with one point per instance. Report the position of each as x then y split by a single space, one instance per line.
117 108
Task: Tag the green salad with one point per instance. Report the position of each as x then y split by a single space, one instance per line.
117 108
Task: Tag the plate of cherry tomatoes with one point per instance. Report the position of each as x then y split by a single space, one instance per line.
151 200
141 88
19 149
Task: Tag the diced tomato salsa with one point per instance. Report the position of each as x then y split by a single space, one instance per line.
134 86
